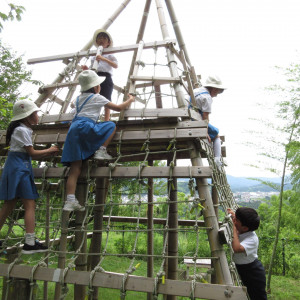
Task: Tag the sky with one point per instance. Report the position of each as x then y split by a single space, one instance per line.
240 41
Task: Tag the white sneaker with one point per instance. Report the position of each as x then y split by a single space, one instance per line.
73 205
102 154
218 162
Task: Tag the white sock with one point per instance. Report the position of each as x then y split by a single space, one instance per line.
102 147
71 198
30 239
217 147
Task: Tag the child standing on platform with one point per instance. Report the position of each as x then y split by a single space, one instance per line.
245 246
17 182
106 64
87 137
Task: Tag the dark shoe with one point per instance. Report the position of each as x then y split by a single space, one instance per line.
36 248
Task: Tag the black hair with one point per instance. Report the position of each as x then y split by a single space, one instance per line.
10 129
104 34
248 217
91 90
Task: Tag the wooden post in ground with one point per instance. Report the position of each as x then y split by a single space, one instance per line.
80 236
173 234
150 247
101 192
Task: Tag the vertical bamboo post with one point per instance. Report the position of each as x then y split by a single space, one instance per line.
47 235
101 191
173 234
150 245
80 237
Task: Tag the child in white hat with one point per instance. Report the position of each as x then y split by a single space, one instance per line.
17 182
87 137
106 64
212 88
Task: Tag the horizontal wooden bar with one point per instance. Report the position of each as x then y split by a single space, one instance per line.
133 283
156 80
130 172
88 53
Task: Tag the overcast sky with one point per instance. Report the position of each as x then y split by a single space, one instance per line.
241 41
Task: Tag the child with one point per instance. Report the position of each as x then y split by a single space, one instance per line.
17 180
203 95
86 135
245 245
106 64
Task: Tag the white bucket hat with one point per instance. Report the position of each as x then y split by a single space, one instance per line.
88 79
214 81
23 109
104 31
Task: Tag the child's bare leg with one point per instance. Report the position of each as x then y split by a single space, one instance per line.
73 176
106 143
29 218
6 210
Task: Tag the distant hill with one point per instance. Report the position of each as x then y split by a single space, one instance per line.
240 184
243 184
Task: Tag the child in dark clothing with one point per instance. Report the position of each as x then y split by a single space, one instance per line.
245 244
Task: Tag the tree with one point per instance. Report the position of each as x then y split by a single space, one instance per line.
15 12
284 142
13 74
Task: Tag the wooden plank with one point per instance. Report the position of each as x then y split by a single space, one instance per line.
200 262
81 54
131 172
133 283
157 112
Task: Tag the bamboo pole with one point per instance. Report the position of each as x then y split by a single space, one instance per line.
40 100
170 56
150 245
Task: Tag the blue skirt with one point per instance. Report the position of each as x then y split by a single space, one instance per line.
84 138
17 178
212 131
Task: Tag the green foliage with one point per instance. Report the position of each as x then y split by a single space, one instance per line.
15 12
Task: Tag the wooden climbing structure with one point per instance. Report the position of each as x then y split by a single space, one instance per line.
160 128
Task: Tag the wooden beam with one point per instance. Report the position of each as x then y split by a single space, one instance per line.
133 283
130 172
88 53
156 80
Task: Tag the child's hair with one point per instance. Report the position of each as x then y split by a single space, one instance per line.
11 127
91 90
248 217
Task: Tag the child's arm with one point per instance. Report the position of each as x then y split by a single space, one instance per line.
36 154
121 106
236 246
110 62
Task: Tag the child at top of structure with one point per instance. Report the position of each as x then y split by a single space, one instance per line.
212 88
87 137
245 245
17 182
106 64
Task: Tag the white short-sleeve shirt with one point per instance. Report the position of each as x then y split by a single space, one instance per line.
22 136
203 99
103 66
249 241
93 107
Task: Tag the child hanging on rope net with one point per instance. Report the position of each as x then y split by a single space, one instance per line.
17 182
105 66
87 137
245 246
203 95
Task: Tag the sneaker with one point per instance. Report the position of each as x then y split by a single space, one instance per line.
73 205
36 248
102 154
219 163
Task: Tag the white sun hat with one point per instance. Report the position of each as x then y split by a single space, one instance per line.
104 31
23 109
214 81
88 79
